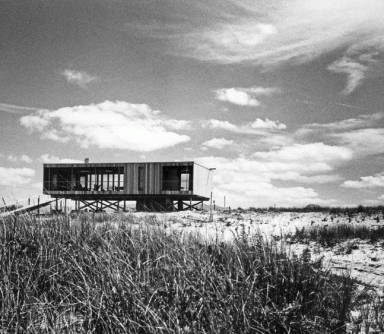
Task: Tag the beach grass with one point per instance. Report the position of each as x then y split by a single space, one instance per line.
122 274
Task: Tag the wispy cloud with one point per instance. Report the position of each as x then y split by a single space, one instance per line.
79 78
48 158
13 109
307 153
354 70
358 123
258 127
268 91
272 33
108 124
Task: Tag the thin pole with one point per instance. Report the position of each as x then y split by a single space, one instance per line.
210 209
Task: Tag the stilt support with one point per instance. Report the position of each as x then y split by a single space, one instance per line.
99 206
182 206
166 204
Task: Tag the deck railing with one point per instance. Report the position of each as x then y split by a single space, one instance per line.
68 186
24 202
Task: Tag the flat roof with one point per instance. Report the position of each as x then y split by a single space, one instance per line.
117 164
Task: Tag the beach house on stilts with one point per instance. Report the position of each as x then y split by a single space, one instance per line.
155 186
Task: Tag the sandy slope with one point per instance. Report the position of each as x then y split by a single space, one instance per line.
365 261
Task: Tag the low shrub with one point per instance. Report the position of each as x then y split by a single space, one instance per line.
329 236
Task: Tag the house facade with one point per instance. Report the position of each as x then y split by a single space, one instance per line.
155 186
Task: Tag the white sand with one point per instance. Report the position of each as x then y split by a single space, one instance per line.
364 262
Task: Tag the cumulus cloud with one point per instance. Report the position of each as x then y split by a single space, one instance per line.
312 152
79 78
246 181
363 141
48 158
15 176
366 182
286 163
267 124
176 124
259 126
244 96
119 125
217 143
217 124
236 96
23 158
363 135
251 179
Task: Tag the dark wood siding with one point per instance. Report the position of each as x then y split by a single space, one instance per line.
153 177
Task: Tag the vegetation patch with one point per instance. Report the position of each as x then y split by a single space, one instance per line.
329 236
109 274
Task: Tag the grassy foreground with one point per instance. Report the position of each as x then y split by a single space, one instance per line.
112 274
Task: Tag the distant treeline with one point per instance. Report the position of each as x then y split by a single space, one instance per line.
368 210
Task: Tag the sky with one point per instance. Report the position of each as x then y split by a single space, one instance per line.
284 97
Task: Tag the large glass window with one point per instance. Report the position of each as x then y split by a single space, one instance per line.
184 181
83 182
141 179
84 178
177 178
61 179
